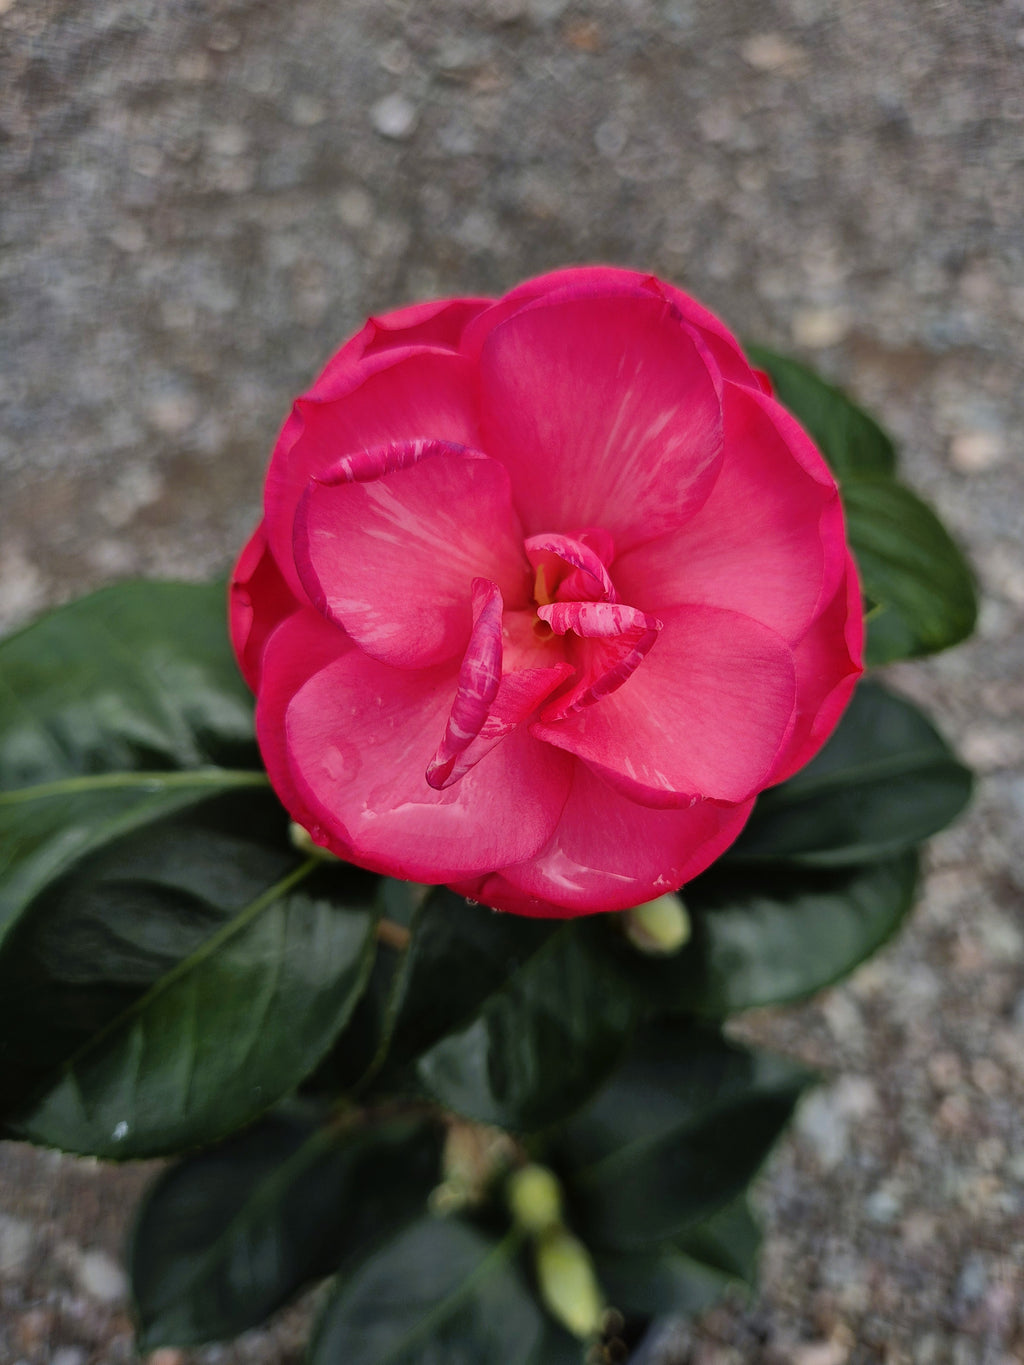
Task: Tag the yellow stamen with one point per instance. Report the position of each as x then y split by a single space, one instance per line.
541 592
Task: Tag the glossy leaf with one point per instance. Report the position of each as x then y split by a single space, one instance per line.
227 1236
885 781
473 949
764 936
92 943
441 1293
119 709
677 1134
910 569
543 1039
178 985
852 442
403 1013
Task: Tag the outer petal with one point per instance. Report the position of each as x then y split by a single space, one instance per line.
608 853
439 323
610 281
258 600
605 412
705 715
300 647
400 395
359 737
829 660
389 541
764 543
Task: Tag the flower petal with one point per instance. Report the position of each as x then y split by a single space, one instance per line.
605 412
603 281
569 569
439 323
401 395
259 600
706 715
360 735
829 661
766 541
608 641
389 541
300 647
477 686
608 853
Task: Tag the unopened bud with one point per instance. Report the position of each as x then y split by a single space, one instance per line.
568 1285
302 840
660 927
534 1199
473 1157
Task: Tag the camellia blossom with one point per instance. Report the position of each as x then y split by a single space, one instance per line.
546 590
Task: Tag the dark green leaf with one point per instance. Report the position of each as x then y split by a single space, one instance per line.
117 710
544 1038
652 1283
91 944
851 441
762 936
355 1058
910 569
474 950
403 1012
137 676
439 1294
184 985
729 1241
227 1236
884 782
690 1274
680 1131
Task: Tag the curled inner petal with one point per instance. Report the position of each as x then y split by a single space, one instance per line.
613 640
487 706
567 570
479 677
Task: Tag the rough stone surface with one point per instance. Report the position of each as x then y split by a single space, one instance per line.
197 202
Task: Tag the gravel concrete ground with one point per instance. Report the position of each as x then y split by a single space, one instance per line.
198 201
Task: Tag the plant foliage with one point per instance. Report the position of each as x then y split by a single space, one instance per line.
349 1068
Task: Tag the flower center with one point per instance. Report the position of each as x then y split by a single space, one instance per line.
506 681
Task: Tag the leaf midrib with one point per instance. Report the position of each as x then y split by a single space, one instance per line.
188 964
153 781
596 1170
445 1307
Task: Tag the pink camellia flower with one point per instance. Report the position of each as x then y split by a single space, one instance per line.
546 590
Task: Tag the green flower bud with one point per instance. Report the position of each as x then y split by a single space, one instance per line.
660 927
568 1285
534 1199
303 841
